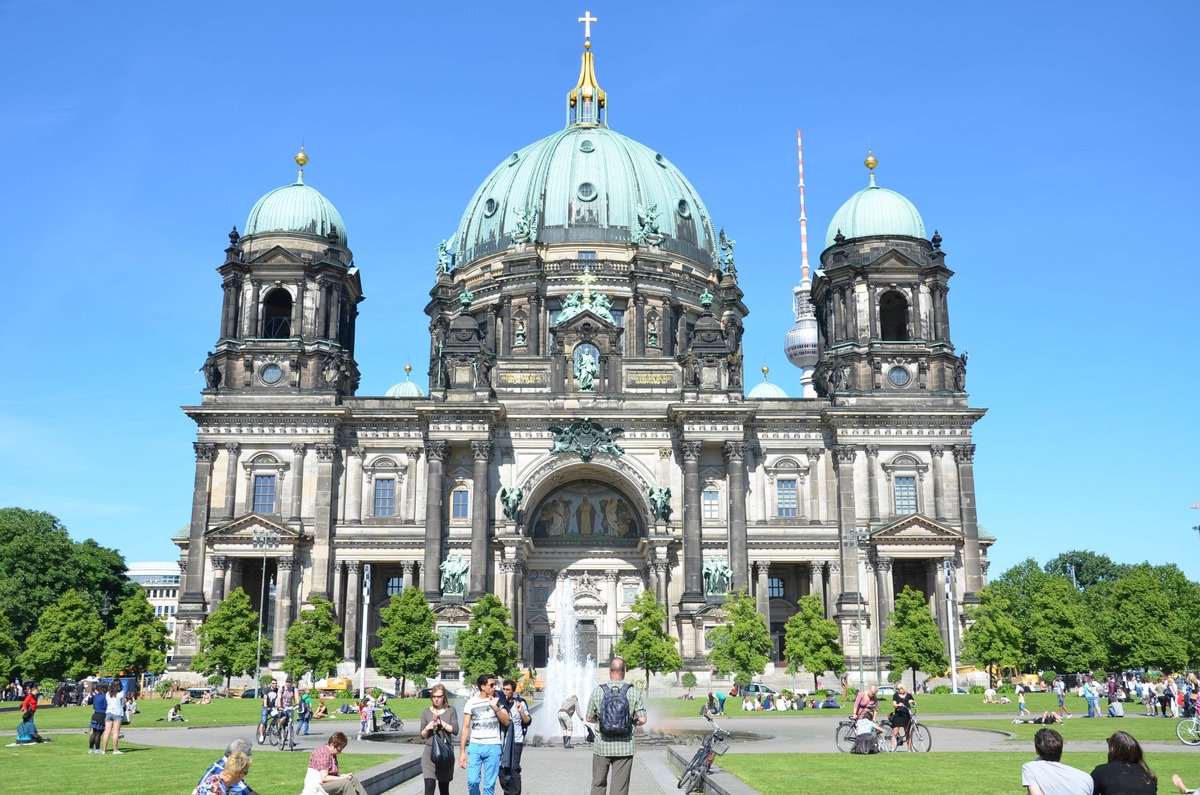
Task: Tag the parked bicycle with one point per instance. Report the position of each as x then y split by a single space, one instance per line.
1188 730
714 745
846 736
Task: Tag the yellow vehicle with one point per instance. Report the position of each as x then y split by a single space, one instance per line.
334 684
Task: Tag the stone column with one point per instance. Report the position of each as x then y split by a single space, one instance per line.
297 481
480 514
739 557
639 329
220 567
230 295
435 459
693 566
939 497
872 451
844 455
339 596
762 590
410 483
964 456
407 568
231 461
251 329
660 580
886 591
534 340
817 569
833 578
193 586
610 594
298 310
760 483
355 487
353 597
283 608
322 549
504 344
814 484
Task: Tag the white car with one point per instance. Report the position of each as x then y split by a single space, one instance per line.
755 689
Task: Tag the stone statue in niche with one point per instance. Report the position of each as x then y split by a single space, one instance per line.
660 503
519 337
512 502
586 372
960 373
652 333
717 576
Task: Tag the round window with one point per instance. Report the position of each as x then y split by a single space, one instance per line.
683 209
587 191
271 374
899 376
489 208
662 161
587 146
513 158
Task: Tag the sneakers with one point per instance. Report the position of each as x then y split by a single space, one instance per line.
118 752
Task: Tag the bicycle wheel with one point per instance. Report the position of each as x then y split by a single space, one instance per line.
1188 731
844 737
921 741
273 734
888 742
691 776
287 738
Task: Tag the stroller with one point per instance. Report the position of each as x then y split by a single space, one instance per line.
389 722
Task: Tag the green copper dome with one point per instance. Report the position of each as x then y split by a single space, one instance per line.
295 208
876 211
586 184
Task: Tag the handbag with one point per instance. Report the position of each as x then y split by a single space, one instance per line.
440 752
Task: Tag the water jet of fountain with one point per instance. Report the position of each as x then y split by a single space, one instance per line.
565 675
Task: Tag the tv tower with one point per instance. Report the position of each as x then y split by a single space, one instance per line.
800 344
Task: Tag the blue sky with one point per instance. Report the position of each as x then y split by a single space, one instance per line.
1049 143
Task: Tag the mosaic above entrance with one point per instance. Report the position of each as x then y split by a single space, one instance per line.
586 512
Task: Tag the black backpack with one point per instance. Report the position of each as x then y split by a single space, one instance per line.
614 712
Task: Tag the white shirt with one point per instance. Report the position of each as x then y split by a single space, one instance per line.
485 723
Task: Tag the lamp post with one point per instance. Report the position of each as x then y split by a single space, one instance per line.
264 540
862 536
366 591
950 624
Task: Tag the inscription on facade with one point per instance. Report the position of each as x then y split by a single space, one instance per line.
637 379
523 379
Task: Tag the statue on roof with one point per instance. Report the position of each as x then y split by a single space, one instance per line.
212 373
445 262
646 232
526 228
726 245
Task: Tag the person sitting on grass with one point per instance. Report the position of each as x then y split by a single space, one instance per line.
206 698
322 711
239 787
1046 719
1126 772
175 714
27 733
1047 775
231 774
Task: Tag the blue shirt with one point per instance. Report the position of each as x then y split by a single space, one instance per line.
218 767
99 702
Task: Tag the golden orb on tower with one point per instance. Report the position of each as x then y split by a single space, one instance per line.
765 370
870 162
301 158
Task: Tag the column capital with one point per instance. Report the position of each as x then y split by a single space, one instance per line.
814 453
664 453
413 452
326 452
883 562
844 454
964 453
408 567
482 451
872 451
834 567
984 565
219 563
735 451
233 448
352 566
358 452
690 450
286 563
299 448
610 575
936 450
436 450
205 451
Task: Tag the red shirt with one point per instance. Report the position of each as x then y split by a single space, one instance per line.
323 759
30 703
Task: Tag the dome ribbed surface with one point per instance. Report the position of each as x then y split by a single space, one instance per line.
876 211
586 184
295 208
766 391
405 389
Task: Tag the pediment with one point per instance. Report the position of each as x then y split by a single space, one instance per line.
585 320
242 529
276 255
916 528
894 259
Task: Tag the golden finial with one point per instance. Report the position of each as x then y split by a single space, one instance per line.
302 161
408 368
870 163
765 369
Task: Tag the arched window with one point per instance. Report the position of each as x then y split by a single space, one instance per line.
906 475
893 316
277 315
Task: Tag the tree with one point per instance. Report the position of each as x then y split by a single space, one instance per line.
67 641
39 563
742 645
1060 628
1141 625
227 639
994 640
1019 585
912 639
407 640
138 642
1085 569
644 640
488 646
8 650
811 640
314 642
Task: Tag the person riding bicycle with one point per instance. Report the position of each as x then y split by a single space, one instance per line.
866 703
903 704
269 702
289 698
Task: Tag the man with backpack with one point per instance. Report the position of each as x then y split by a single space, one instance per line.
617 707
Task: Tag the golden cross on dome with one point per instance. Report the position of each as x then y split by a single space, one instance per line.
587 278
587 19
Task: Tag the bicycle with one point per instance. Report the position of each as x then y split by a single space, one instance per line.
279 730
269 731
1188 730
921 739
846 736
713 745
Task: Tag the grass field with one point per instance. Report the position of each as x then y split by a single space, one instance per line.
64 766
945 774
945 704
1076 728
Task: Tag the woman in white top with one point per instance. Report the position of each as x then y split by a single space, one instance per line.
113 716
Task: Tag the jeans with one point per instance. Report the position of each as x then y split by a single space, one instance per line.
483 765
1091 702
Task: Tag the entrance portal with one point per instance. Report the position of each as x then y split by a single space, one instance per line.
588 640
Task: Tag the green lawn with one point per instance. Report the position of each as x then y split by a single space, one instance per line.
64 766
1076 728
945 774
945 704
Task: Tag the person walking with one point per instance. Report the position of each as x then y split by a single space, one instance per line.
479 744
566 719
617 707
1047 775
514 738
29 703
114 716
1060 690
438 716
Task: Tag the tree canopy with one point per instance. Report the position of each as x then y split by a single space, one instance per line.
314 641
742 645
645 642
1060 629
67 641
1085 569
488 645
1141 627
913 639
228 639
407 640
811 640
994 639
138 641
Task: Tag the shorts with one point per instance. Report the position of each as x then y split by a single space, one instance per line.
1060 699
565 722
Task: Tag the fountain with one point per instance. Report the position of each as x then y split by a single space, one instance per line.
565 675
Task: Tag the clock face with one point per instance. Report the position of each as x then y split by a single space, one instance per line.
271 374
899 376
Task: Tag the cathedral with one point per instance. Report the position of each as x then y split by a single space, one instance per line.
585 432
